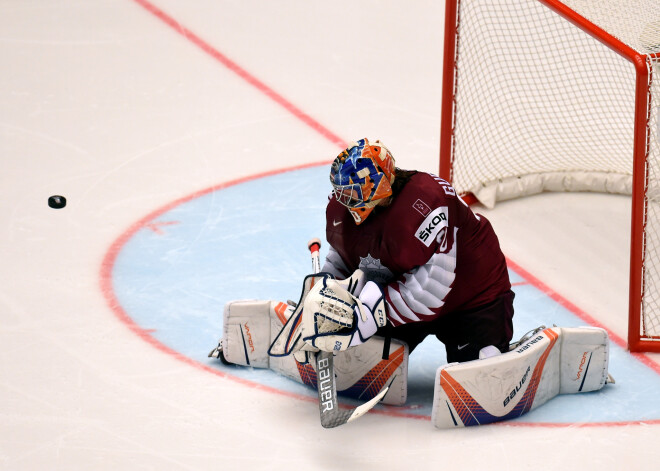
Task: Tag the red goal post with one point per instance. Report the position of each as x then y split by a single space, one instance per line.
548 95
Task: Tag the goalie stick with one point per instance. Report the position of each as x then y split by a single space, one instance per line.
331 415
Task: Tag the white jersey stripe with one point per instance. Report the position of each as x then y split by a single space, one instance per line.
393 316
425 288
400 307
412 296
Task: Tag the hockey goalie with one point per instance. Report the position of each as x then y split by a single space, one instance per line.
408 259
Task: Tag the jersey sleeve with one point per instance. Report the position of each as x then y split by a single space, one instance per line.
335 265
430 248
420 294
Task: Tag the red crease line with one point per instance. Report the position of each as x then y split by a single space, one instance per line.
545 289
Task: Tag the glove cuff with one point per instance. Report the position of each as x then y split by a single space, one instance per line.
372 297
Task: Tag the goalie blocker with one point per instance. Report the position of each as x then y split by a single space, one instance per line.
250 327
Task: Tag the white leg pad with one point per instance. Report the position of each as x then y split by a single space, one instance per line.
584 359
251 326
360 371
247 332
553 361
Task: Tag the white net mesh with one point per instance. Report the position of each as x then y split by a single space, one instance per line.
651 280
540 105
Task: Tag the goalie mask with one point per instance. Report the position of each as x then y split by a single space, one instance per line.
361 177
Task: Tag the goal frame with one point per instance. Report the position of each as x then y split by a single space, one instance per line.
640 145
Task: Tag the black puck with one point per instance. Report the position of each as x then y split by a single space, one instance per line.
57 201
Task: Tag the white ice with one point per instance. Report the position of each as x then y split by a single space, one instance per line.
104 102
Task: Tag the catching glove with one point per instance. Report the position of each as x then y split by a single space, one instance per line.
333 319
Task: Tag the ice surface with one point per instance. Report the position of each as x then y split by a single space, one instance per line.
157 145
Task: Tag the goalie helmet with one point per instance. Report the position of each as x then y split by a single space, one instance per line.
361 177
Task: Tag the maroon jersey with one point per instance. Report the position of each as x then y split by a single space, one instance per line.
431 254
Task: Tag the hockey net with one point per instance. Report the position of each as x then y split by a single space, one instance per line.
543 95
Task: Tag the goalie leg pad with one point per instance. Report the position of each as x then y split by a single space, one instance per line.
550 362
251 326
584 359
247 327
360 371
